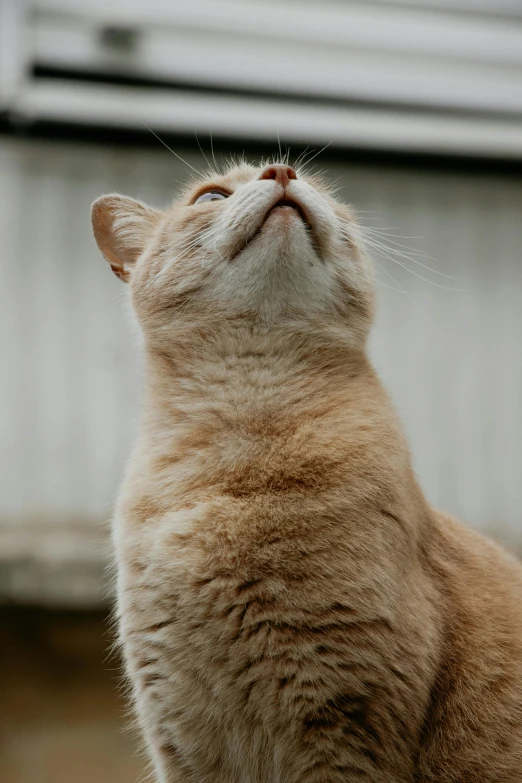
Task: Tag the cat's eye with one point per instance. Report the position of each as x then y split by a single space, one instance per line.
211 195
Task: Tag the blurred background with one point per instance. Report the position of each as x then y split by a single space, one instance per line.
420 104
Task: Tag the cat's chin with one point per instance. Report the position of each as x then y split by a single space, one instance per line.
283 226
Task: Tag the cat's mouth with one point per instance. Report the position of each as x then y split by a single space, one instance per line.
288 203
284 203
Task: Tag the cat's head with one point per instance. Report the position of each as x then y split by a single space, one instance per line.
268 244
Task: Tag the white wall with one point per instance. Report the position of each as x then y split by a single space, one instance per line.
70 380
406 75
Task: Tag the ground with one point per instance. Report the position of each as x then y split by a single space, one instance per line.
63 717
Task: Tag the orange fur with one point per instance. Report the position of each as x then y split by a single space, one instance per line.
291 609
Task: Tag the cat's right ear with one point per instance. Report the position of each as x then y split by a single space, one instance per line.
122 228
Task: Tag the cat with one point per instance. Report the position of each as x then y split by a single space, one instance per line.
291 609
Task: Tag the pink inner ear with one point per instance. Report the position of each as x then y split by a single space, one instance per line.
102 226
118 249
120 272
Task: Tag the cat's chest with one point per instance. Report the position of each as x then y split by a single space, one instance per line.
231 619
216 649
218 605
236 586
233 641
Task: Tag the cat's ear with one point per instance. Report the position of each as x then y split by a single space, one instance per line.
122 227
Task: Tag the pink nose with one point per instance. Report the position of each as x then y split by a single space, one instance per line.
280 172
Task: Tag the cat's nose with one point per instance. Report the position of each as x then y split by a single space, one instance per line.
280 172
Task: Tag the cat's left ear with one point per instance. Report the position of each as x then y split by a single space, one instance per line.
122 228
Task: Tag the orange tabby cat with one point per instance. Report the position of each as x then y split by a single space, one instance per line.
291 609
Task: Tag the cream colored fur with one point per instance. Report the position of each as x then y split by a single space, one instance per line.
291 610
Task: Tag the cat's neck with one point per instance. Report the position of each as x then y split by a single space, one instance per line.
267 416
249 372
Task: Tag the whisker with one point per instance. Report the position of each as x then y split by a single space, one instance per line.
392 288
212 149
305 170
405 252
406 294
409 252
201 148
196 238
171 150
318 153
382 233
386 250
301 156
412 271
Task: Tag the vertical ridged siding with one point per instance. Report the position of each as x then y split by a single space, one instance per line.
70 380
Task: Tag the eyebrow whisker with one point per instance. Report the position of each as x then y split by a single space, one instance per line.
212 148
201 148
171 150
318 153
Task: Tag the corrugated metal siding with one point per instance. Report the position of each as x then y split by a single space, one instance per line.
70 386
